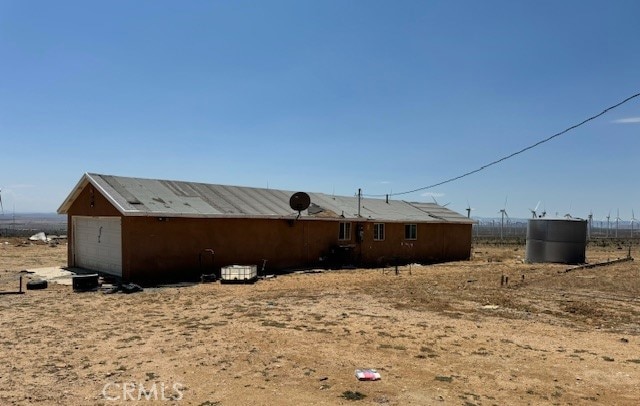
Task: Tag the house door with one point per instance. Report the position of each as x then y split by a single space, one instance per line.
97 244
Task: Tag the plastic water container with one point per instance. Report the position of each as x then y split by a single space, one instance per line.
239 273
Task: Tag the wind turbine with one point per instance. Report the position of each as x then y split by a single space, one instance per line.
503 214
534 213
468 209
608 217
568 214
1 206
590 223
633 220
617 220
441 205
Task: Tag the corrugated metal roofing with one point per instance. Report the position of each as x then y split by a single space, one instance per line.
440 212
164 198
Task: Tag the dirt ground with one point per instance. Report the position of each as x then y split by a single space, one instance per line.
446 334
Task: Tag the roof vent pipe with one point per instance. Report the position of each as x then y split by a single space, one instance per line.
359 198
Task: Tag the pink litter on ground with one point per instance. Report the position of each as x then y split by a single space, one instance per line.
367 374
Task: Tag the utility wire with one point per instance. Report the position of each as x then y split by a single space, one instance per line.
497 161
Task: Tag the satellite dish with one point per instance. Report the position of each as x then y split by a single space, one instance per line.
299 201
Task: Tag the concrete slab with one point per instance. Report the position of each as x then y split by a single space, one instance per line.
53 274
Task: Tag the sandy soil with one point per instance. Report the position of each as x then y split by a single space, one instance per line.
441 334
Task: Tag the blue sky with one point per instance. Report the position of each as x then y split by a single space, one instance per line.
325 96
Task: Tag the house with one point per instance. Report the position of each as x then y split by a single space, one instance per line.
150 230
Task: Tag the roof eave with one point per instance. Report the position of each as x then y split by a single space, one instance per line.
82 183
75 192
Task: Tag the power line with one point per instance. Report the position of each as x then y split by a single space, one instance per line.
497 161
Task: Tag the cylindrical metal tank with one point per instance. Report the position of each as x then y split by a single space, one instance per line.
556 240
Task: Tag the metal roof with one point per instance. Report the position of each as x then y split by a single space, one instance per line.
440 212
165 198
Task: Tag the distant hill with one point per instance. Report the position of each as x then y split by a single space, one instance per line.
56 216
26 224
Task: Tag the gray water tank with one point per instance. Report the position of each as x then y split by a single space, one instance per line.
556 240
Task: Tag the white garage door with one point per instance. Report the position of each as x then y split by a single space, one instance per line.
97 244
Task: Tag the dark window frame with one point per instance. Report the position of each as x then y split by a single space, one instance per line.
411 231
378 231
344 232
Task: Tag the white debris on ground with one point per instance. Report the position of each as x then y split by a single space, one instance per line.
39 237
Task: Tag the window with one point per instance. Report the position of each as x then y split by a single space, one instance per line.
410 231
345 231
378 232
